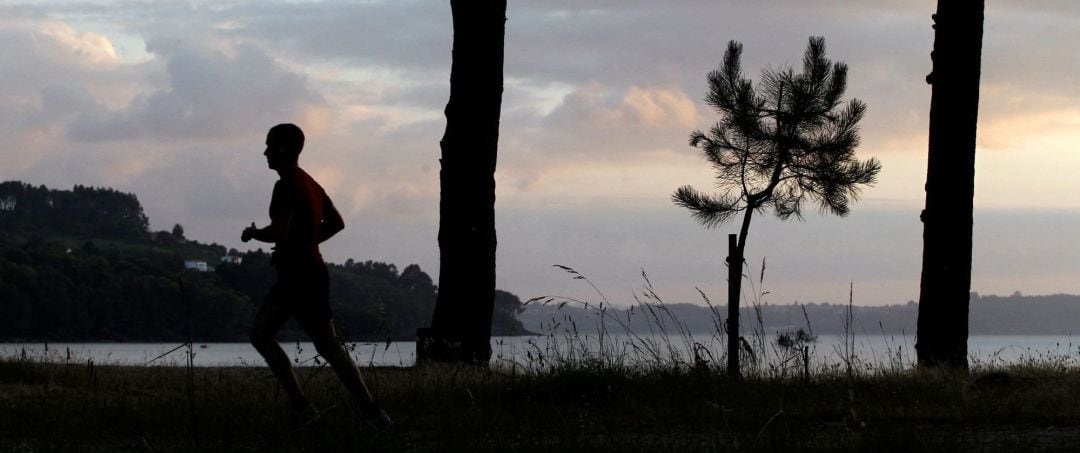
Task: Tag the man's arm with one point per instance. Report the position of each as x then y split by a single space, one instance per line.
332 222
275 232
280 218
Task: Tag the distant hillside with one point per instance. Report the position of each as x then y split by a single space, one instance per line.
990 315
81 265
1057 314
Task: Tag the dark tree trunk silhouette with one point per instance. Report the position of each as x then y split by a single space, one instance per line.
950 182
735 266
736 262
461 326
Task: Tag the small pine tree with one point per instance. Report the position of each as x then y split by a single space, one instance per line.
788 140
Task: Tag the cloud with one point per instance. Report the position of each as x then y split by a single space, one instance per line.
1009 132
73 112
51 73
877 249
93 48
592 108
598 123
206 190
403 48
170 100
409 34
595 128
208 95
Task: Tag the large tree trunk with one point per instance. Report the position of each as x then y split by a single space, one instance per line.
461 326
950 183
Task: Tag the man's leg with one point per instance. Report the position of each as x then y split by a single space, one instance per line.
272 315
326 342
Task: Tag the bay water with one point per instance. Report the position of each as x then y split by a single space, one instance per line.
536 351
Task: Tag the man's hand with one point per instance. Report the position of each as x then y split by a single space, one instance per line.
248 232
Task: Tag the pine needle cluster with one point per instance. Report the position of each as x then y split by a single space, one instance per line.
787 140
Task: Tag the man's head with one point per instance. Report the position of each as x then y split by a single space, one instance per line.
283 145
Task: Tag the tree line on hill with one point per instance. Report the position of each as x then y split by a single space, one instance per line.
82 265
89 211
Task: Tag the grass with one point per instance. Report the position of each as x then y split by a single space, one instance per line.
574 392
83 407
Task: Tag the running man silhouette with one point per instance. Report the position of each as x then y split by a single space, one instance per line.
301 217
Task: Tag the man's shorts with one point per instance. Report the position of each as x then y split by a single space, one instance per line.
304 292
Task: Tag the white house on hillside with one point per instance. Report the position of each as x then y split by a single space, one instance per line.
197 265
232 259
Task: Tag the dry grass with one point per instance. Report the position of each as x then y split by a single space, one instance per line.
575 393
50 407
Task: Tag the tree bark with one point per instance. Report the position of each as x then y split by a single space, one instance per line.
734 261
950 183
461 325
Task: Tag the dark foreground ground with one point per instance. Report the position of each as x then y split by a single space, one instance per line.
56 407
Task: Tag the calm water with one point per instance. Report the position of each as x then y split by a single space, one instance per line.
872 350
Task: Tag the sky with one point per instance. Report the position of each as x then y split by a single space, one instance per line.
171 101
